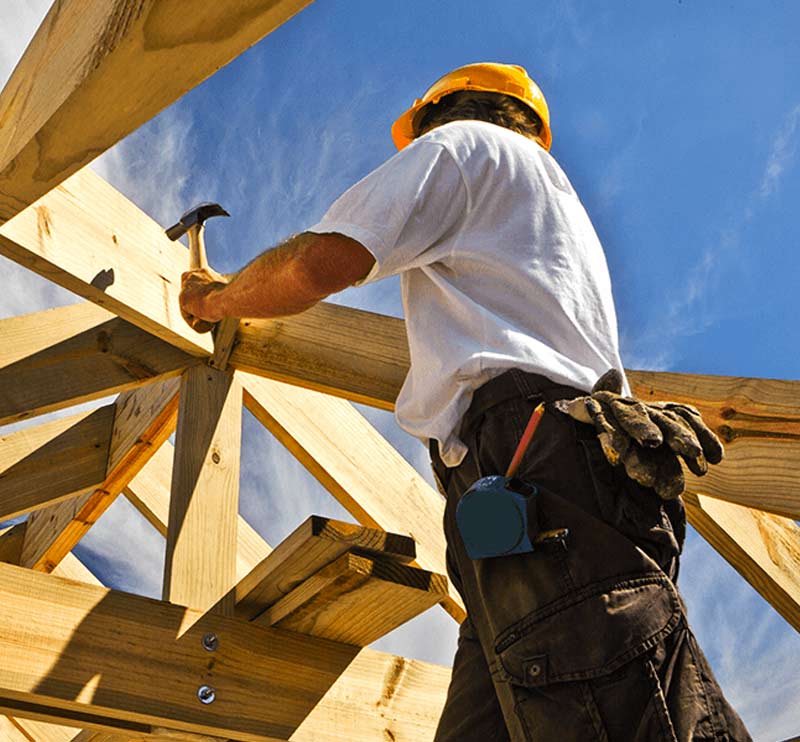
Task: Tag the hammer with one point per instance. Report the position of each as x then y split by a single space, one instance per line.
192 223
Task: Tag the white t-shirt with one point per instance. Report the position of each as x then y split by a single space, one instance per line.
500 268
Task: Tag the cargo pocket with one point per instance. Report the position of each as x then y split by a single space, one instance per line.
589 633
636 512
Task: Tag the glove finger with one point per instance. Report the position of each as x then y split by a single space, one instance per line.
638 467
656 468
698 465
613 439
680 436
575 408
670 482
633 419
711 445
610 381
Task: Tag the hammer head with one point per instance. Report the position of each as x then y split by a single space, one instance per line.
196 215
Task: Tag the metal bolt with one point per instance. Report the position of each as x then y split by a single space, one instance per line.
210 642
206 694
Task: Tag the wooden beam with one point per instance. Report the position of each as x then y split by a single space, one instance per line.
333 349
315 543
11 540
356 600
149 493
62 357
758 420
763 548
10 732
143 419
109 59
62 640
200 565
357 465
88 238
54 462
72 569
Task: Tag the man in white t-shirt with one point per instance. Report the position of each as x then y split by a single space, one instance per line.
508 303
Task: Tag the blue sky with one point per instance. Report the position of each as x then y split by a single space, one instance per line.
678 123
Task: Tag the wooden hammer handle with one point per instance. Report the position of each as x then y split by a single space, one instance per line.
197 247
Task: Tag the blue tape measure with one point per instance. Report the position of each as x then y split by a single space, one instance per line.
496 516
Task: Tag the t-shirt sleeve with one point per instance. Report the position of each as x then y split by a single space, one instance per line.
401 211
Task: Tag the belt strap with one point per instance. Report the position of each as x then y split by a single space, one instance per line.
514 384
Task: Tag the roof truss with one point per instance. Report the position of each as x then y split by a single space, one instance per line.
65 223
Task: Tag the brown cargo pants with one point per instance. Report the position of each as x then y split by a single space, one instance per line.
586 638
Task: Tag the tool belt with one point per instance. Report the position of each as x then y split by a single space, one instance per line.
497 515
513 384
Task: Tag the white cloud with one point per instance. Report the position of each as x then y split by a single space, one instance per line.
694 308
153 166
125 551
23 291
752 649
784 147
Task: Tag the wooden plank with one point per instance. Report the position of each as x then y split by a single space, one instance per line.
357 465
88 238
762 547
333 349
379 696
109 59
86 655
356 600
62 357
315 543
54 462
759 422
11 540
149 493
200 565
70 568
39 731
10 732
143 420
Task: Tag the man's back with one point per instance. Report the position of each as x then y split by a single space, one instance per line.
500 266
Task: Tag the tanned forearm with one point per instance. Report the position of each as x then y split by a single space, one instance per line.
289 278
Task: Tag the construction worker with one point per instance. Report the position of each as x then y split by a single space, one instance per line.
508 304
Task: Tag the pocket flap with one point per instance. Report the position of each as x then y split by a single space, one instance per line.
590 633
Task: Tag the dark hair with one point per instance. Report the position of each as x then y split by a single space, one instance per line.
496 108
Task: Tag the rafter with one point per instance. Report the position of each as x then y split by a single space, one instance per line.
759 422
110 58
62 357
764 549
55 461
142 420
333 349
88 238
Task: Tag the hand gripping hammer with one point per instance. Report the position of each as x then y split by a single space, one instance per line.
192 223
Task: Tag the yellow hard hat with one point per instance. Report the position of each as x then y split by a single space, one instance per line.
490 77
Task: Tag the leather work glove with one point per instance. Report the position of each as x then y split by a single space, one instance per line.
646 438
